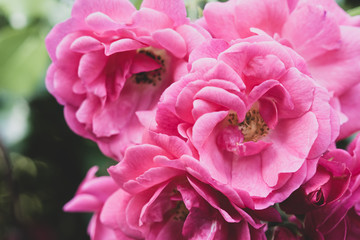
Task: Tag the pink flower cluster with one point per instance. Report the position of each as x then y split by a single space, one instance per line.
222 128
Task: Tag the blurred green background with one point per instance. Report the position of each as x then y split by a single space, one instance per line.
41 161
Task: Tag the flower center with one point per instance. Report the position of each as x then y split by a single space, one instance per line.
253 127
155 76
180 212
316 198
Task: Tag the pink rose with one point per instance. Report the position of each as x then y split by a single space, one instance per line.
329 184
90 197
339 219
257 120
319 30
111 63
160 199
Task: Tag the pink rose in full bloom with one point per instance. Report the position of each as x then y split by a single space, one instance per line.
257 120
160 199
90 197
111 63
319 30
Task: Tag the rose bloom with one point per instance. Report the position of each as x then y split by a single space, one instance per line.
90 197
111 62
160 199
339 219
329 184
257 120
161 192
319 30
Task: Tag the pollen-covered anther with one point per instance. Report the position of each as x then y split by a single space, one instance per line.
180 212
253 127
151 77
232 118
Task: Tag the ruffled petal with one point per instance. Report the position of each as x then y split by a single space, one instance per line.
343 63
171 41
350 105
175 9
315 36
86 44
118 10
291 151
151 20
136 161
83 203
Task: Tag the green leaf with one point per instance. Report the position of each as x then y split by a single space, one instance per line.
354 11
23 61
22 13
136 3
194 8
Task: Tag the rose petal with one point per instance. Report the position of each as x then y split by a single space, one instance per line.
174 9
171 41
